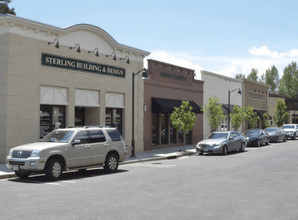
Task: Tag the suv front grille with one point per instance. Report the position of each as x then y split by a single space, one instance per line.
16 163
21 154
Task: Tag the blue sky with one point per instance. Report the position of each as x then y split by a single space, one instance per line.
222 36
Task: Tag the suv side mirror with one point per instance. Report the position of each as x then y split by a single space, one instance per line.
76 141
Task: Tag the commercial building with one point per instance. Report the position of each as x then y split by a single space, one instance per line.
222 87
256 94
168 86
52 77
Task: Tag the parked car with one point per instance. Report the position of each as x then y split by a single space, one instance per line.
256 137
291 130
222 142
276 134
69 148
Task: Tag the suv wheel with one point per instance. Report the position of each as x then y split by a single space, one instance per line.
111 163
242 149
53 169
294 137
225 150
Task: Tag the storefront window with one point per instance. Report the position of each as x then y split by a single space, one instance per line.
51 117
155 129
188 139
164 129
114 118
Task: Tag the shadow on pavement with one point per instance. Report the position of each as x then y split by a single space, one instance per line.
66 176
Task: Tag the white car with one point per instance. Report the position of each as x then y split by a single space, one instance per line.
69 148
291 130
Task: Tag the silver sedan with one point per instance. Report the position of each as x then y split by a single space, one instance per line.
222 142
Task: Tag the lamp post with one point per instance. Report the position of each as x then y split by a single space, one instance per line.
229 104
144 76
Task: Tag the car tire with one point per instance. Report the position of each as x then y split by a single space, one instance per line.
294 137
201 153
267 142
225 150
53 169
111 163
22 174
285 139
242 149
259 143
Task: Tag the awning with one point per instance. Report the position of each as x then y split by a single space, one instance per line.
260 112
225 108
160 105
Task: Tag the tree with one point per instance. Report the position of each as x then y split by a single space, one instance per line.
289 81
214 113
4 9
251 117
272 79
281 114
253 75
265 121
238 117
239 76
183 119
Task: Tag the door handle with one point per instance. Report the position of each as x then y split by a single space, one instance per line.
106 145
87 146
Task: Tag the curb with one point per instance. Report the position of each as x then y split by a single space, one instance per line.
170 157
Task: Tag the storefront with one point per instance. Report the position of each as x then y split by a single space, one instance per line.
54 78
167 87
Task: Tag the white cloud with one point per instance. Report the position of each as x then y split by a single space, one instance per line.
261 58
264 51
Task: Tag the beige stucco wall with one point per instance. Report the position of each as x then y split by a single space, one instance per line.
22 75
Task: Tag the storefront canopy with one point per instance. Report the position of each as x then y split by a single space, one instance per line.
160 105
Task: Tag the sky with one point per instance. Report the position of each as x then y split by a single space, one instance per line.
222 36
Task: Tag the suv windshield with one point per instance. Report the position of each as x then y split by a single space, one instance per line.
58 136
218 136
288 127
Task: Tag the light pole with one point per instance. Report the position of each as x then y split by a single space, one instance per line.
144 76
229 107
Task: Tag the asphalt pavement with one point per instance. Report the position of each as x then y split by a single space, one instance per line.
156 154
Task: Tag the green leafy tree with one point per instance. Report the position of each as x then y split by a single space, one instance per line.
253 75
272 79
238 117
289 81
214 113
251 117
4 9
183 119
265 121
281 114
239 76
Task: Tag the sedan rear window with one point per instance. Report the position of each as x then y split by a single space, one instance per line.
288 127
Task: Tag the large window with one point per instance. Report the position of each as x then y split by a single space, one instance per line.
155 129
164 129
114 118
51 117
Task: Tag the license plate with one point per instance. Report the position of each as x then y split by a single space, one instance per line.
15 167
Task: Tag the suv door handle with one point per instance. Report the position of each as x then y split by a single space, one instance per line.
87 146
106 145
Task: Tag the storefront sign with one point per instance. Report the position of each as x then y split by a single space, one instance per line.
172 76
80 65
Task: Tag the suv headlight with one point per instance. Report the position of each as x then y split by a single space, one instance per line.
35 153
10 152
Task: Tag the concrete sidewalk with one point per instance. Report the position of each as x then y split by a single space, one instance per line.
157 154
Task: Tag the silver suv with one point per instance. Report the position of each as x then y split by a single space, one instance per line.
291 130
69 148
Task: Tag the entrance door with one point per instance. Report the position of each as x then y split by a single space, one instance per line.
79 116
